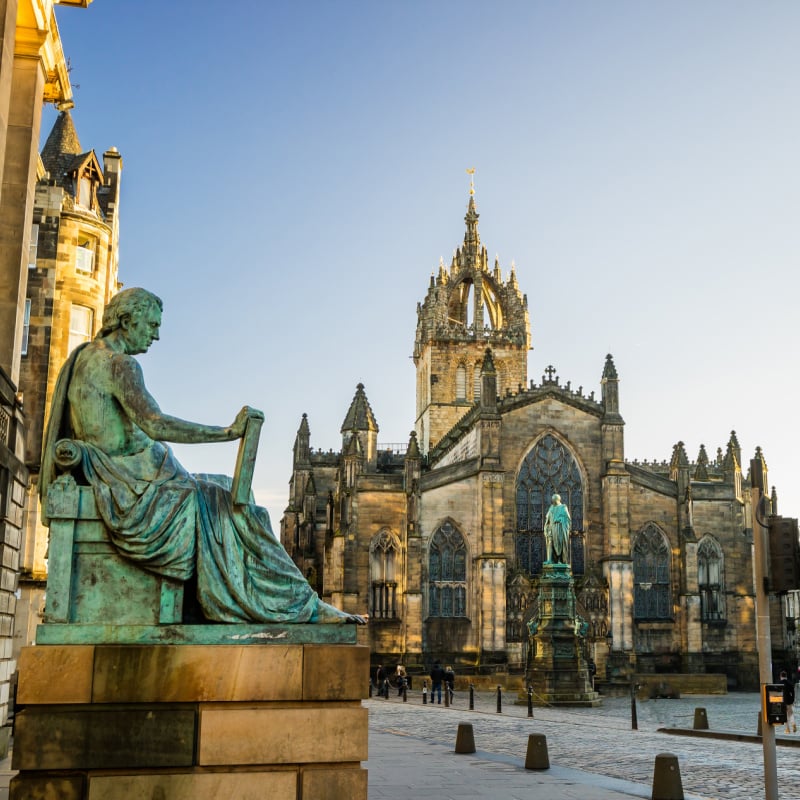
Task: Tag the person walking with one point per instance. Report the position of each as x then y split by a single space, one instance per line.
788 699
380 676
437 676
449 683
401 679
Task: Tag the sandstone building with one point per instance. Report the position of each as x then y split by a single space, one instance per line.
33 71
442 541
72 274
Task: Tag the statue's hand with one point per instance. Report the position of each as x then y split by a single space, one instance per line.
240 423
253 413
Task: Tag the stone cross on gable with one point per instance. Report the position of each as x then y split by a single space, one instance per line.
550 372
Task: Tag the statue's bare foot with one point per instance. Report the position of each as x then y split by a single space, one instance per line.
327 613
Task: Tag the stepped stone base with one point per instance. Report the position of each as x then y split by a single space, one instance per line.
190 722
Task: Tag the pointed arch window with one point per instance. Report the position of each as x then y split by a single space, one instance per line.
384 559
652 593
710 580
548 469
447 573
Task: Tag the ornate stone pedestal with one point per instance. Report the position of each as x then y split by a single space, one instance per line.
263 715
558 672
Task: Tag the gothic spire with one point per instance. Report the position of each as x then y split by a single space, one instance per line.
359 415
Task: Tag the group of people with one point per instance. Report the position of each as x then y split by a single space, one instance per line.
440 677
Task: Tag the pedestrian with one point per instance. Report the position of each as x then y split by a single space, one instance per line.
401 679
449 682
437 676
380 675
788 699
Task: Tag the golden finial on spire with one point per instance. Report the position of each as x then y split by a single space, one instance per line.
471 173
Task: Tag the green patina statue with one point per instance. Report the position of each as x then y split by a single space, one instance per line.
159 516
557 526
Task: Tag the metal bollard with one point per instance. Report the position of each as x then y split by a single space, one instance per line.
536 757
446 696
465 740
424 693
405 692
759 730
386 689
471 697
499 700
700 720
667 778
634 719
530 701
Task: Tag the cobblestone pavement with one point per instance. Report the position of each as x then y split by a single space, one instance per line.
601 740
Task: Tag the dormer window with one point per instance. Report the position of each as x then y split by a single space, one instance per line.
85 191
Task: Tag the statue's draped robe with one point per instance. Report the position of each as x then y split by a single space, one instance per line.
557 527
176 524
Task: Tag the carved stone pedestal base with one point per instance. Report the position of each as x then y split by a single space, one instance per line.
192 721
558 672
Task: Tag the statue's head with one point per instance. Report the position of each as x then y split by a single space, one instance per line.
129 303
556 499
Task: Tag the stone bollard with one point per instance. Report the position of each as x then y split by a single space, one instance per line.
465 740
667 778
700 720
536 757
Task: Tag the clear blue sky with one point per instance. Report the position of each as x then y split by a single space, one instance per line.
294 171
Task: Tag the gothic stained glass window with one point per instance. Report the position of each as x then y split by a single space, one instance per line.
710 580
447 573
652 594
548 469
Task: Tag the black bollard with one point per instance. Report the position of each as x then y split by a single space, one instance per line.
530 701
634 720
499 700
405 692
446 696
370 688
424 693
386 689
471 697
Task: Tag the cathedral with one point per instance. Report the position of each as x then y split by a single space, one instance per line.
443 540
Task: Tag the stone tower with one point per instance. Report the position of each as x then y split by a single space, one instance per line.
72 273
468 308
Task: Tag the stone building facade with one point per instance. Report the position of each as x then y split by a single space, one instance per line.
441 541
72 274
33 71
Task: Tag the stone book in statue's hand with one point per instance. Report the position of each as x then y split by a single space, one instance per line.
246 460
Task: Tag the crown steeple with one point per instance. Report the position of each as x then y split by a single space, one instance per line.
468 308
